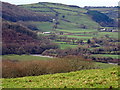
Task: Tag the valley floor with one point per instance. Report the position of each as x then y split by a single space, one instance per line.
95 78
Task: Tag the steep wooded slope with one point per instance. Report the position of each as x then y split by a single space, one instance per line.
18 39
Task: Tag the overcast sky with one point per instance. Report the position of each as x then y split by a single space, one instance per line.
80 3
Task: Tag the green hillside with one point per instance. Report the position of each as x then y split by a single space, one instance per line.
98 78
67 16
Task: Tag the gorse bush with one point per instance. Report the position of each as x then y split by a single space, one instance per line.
13 69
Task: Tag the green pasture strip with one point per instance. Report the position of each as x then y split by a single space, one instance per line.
65 46
104 65
65 7
110 34
65 11
23 57
43 26
77 31
29 6
78 37
106 55
82 19
60 42
41 9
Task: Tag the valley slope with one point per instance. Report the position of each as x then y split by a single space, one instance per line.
68 17
18 37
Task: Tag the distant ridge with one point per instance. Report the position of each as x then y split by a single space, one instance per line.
14 13
69 14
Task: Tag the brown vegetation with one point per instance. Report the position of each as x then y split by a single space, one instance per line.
18 39
15 13
12 69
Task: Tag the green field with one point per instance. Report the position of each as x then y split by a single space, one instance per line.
104 65
98 78
78 30
106 55
65 46
42 26
23 57
78 37
110 34
85 34
61 6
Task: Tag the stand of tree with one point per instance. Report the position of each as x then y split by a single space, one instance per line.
18 39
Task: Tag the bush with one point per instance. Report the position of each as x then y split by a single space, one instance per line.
13 69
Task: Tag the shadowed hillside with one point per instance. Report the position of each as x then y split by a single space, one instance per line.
112 12
101 18
18 39
14 13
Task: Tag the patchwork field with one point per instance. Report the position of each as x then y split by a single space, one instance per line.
67 17
65 46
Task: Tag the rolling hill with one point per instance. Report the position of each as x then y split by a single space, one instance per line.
68 17
44 16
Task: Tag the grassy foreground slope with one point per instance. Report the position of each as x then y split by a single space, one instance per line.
98 78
